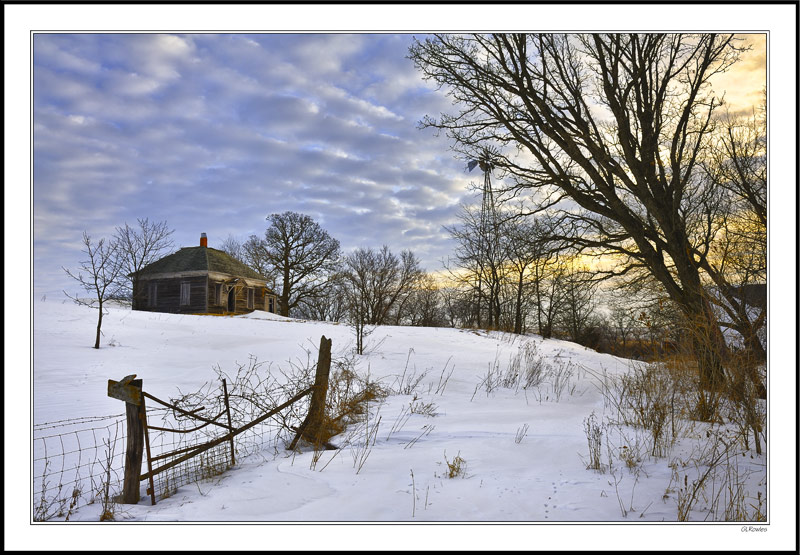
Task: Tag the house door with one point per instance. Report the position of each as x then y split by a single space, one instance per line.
232 300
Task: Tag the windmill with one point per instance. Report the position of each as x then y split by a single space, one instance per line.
488 211
488 231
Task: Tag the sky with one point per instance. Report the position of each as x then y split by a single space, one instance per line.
213 132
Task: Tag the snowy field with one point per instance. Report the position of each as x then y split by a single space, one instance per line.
524 451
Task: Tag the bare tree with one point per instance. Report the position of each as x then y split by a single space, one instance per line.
528 252
139 246
381 281
425 303
738 165
615 124
480 264
377 286
99 276
233 247
578 303
302 255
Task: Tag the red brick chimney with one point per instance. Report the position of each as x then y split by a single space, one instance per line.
203 240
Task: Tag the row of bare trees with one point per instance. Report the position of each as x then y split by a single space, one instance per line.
314 279
519 280
524 284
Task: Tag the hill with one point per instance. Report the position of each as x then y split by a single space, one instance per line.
454 396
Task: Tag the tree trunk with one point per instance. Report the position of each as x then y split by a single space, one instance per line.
708 344
285 290
99 324
518 315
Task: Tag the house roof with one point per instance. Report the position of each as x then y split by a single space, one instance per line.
194 259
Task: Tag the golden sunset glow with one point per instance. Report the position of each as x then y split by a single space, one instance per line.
743 84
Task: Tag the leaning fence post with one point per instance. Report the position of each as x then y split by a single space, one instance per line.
312 425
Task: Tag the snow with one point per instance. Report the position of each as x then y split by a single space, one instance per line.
525 450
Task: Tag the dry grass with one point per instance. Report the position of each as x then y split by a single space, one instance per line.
348 400
594 436
457 467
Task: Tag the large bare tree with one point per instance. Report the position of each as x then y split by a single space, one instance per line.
607 129
302 255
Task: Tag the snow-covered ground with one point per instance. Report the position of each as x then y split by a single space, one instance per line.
525 450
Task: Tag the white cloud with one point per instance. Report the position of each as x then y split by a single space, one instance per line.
213 133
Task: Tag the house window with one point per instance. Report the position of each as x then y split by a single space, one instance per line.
271 304
185 293
152 294
218 293
251 297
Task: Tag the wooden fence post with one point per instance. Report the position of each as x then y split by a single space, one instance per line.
313 424
230 424
134 448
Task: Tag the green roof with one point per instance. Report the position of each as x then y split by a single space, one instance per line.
194 259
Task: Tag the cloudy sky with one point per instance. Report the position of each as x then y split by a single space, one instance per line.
214 132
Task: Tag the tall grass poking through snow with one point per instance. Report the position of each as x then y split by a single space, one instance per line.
651 397
528 370
594 436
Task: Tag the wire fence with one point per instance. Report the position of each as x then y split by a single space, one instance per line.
262 440
72 461
79 462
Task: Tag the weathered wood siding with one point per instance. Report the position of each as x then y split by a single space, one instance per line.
202 297
168 298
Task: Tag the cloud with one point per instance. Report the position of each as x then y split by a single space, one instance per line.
212 133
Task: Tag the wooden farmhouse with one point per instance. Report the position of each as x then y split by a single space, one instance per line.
202 280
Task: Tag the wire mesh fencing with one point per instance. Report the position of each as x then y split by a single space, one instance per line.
191 437
167 446
76 462
80 462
